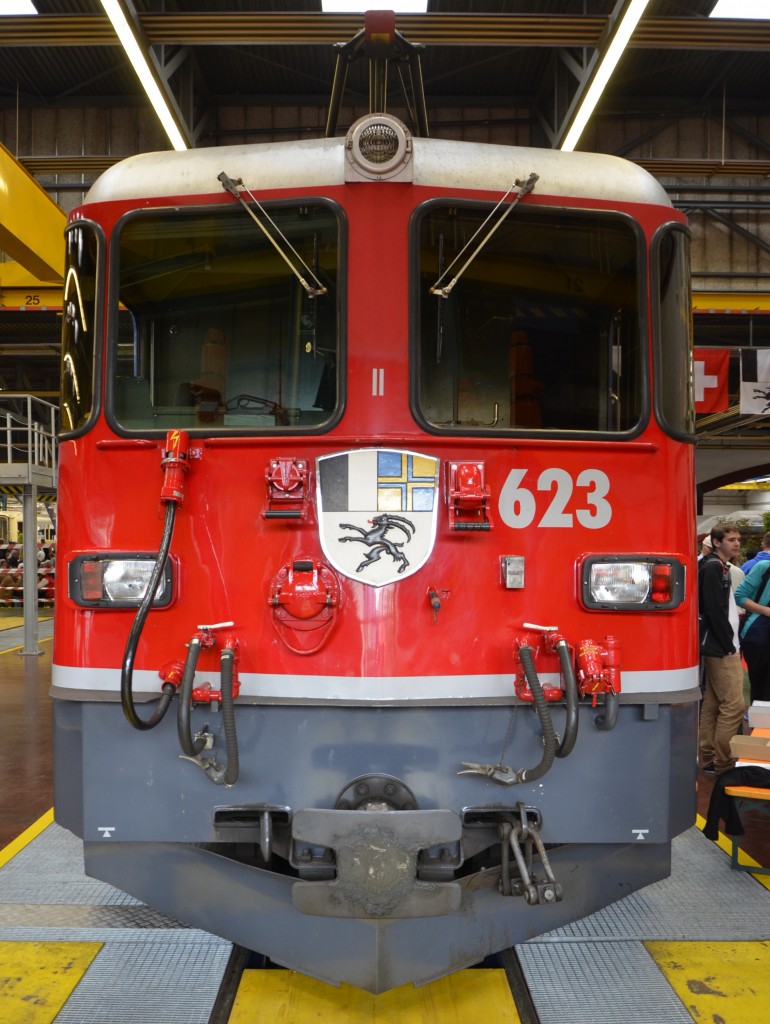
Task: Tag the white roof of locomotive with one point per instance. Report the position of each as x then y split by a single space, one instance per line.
315 163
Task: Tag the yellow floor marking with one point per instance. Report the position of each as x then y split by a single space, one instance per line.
37 978
284 997
25 838
20 647
727 982
726 844
13 621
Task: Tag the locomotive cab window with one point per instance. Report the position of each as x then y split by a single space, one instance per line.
672 330
541 330
216 327
79 328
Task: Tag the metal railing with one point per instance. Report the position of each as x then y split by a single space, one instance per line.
28 444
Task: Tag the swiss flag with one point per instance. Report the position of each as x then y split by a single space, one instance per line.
710 367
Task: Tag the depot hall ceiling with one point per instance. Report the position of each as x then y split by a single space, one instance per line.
519 59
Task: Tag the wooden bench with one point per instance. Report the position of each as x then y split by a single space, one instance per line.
750 798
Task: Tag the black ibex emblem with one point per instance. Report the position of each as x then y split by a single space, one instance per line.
377 541
764 394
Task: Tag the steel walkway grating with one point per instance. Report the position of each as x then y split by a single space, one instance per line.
737 907
582 983
134 983
597 970
593 971
149 969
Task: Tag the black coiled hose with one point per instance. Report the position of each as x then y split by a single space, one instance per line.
127 670
192 747
541 706
228 718
189 746
608 718
571 692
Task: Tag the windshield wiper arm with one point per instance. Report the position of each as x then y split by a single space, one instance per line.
524 187
231 185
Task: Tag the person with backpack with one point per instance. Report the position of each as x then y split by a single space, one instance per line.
753 595
763 555
723 706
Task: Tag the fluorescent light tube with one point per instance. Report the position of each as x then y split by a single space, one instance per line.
125 33
607 65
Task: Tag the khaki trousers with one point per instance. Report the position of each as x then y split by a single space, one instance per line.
722 710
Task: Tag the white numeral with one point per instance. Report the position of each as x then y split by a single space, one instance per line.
560 481
518 506
602 510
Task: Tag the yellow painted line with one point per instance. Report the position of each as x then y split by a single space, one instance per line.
727 982
20 647
18 619
284 997
14 621
26 837
37 978
726 844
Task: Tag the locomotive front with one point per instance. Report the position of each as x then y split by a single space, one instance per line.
375 656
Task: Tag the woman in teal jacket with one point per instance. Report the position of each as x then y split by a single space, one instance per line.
753 595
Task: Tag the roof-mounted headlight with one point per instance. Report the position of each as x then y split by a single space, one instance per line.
378 146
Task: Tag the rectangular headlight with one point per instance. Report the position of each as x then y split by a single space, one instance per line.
117 580
632 583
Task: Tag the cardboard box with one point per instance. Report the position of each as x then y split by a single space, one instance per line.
750 748
759 714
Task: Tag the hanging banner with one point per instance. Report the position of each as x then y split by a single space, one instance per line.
710 367
755 381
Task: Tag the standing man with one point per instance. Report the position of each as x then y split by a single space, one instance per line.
761 556
722 709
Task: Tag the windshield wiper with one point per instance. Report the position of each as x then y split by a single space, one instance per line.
231 185
524 187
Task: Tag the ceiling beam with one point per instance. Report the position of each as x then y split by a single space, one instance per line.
738 229
309 29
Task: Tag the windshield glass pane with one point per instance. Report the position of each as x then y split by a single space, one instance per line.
216 331
673 330
542 330
79 327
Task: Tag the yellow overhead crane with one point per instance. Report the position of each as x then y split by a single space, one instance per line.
31 234
738 303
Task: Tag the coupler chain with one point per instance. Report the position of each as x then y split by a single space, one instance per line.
512 838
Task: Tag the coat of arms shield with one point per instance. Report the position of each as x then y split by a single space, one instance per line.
377 511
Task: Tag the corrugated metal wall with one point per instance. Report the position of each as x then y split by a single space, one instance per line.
718 250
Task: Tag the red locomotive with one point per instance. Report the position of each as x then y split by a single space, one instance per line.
372 652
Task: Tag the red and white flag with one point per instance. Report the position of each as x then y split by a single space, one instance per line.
710 366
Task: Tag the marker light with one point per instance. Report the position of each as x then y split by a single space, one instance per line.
116 580
378 146
378 142
632 583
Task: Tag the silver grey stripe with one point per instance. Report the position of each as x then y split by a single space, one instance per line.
375 689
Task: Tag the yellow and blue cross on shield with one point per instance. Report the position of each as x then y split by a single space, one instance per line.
377 511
